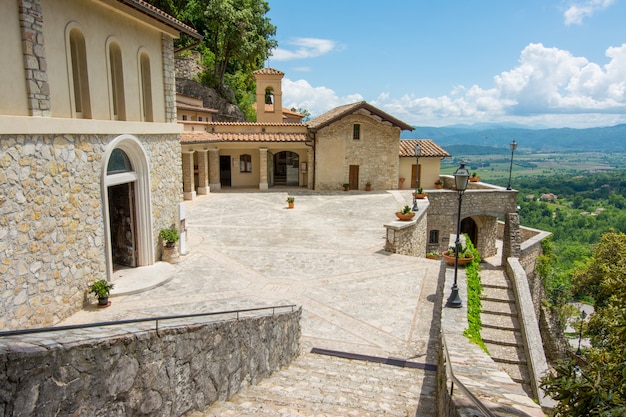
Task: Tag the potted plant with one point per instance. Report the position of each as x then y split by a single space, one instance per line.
368 186
420 194
439 184
432 255
465 255
345 186
170 237
101 289
405 214
291 201
474 177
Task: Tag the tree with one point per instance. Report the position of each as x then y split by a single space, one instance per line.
596 384
237 35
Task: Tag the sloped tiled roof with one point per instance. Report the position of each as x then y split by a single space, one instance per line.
212 137
158 14
429 148
268 71
342 111
184 106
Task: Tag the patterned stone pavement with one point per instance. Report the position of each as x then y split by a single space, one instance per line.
246 249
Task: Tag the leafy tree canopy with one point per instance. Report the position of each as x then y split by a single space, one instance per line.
596 384
238 38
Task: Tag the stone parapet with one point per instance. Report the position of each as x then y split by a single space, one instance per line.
134 372
408 237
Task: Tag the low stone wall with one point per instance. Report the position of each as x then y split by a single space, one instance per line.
103 372
407 237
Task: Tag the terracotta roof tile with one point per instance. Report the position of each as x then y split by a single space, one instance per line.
209 137
161 16
342 111
268 71
184 106
429 148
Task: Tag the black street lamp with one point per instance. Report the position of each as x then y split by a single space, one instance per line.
580 333
513 146
461 176
418 153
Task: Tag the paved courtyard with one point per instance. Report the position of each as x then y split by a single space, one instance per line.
247 249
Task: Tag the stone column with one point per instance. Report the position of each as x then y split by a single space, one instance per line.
203 172
169 80
263 185
310 168
511 238
214 169
31 23
189 186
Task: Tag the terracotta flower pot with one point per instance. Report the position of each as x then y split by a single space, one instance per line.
419 196
451 259
405 217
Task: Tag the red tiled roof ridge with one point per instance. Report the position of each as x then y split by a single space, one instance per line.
341 111
268 71
160 15
256 124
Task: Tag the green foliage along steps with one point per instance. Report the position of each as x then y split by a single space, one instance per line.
474 291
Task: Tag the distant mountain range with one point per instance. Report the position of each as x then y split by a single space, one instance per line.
597 139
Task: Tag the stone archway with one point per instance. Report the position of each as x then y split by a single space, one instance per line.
126 204
468 226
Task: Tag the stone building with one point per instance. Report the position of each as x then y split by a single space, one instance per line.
89 148
353 144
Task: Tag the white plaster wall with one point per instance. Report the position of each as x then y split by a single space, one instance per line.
13 94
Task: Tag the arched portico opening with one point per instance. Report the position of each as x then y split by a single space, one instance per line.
286 168
126 205
468 226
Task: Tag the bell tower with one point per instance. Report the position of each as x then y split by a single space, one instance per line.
269 95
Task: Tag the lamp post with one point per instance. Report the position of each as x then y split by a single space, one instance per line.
580 333
418 153
461 176
513 146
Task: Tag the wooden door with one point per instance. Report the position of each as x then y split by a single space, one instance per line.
413 176
354 177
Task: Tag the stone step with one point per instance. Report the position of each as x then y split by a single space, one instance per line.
502 337
491 306
499 293
494 278
329 386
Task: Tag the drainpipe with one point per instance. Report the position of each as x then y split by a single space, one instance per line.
312 144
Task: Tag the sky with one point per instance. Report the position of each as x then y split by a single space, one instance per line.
535 63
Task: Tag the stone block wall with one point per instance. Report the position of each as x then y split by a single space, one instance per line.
407 237
142 373
52 242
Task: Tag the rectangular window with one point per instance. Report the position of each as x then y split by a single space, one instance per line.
433 238
356 131
245 163
184 117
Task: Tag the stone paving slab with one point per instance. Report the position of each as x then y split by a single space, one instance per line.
248 250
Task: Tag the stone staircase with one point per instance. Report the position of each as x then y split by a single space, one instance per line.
501 328
320 385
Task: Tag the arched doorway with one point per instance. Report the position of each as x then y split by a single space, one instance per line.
286 168
468 225
126 205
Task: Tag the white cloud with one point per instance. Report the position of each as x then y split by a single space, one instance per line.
317 100
575 14
304 48
549 87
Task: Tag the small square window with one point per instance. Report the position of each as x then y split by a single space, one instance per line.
356 131
184 117
433 237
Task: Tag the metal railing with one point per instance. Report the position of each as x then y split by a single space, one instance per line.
156 320
450 373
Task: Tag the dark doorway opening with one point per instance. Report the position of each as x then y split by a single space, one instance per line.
468 225
225 173
286 168
122 223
